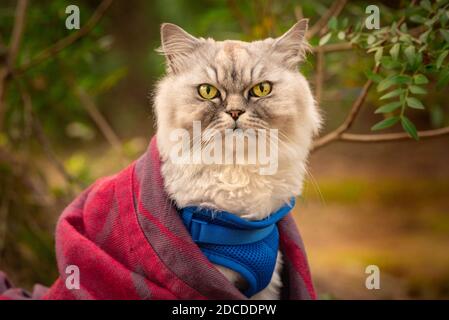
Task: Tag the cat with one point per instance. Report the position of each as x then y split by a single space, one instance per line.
232 69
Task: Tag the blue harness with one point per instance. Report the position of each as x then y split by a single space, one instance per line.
247 247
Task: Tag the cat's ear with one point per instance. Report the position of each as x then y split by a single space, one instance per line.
176 45
292 45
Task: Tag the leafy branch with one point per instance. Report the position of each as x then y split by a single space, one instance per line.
8 71
60 45
404 61
11 53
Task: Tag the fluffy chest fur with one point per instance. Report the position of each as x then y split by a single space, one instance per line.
238 189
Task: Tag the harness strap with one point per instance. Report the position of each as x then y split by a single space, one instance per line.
205 232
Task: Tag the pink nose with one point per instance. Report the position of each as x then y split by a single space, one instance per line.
235 114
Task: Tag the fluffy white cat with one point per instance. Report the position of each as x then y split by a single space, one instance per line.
233 68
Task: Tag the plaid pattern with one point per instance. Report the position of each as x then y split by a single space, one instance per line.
128 241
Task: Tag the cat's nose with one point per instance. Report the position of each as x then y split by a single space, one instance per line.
235 114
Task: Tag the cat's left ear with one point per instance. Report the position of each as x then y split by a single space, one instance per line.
292 45
176 45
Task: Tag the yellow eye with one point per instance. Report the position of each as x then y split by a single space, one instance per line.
208 91
261 89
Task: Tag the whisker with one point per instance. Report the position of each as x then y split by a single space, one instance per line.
316 186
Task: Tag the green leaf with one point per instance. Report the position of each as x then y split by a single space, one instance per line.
373 49
325 39
389 63
445 34
414 103
423 37
418 61
375 77
392 94
417 90
378 55
110 80
389 107
410 53
406 38
441 58
443 79
355 39
402 79
443 17
333 23
394 51
436 116
386 123
426 5
409 127
430 22
418 19
390 81
385 84
420 79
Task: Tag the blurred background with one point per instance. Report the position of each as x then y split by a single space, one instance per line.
78 109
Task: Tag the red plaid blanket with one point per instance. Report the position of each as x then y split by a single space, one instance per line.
125 238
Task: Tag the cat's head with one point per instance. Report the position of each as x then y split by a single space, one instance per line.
237 85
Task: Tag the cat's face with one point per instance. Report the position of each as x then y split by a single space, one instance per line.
237 85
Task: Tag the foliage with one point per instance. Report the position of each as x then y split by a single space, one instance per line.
28 201
410 51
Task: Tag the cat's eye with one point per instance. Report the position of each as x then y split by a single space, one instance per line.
208 91
261 89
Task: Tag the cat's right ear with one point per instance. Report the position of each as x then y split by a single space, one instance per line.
176 46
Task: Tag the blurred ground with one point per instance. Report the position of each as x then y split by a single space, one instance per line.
378 204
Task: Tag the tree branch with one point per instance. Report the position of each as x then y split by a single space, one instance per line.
385 137
298 13
88 103
333 47
334 10
41 137
319 77
3 77
11 54
67 41
393 136
107 131
347 123
46 146
17 32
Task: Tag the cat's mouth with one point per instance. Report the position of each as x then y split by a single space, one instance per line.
233 126
239 125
